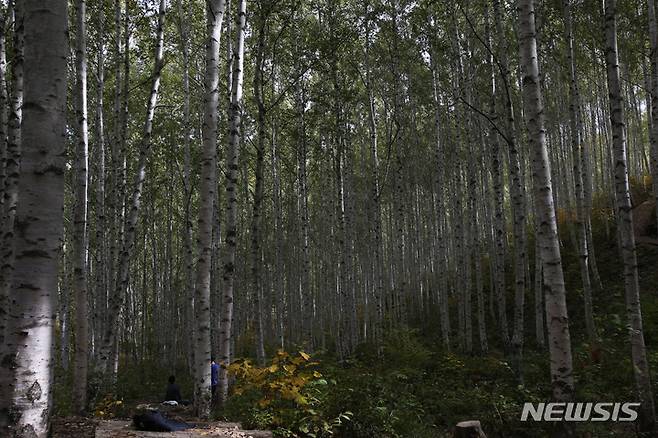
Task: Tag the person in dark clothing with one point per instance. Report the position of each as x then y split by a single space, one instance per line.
173 391
214 376
155 421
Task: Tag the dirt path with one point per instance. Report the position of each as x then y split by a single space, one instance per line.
81 427
125 429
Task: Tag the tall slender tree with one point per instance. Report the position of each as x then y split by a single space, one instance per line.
559 338
3 101
80 213
232 200
100 293
188 133
575 131
653 126
3 158
27 383
625 221
214 17
256 256
13 154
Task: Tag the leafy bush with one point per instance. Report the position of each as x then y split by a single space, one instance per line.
109 407
287 396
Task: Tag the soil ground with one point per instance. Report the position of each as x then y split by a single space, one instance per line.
79 427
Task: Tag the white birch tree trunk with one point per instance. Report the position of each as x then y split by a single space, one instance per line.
478 250
80 215
184 30
13 156
653 133
202 353
278 241
499 232
306 289
100 294
378 261
575 133
232 200
3 158
26 385
112 207
4 98
517 197
540 330
440 211
256 252
625 222
554 289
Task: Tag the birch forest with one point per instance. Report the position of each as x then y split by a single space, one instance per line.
374 218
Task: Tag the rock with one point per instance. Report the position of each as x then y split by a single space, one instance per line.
644 218
644 223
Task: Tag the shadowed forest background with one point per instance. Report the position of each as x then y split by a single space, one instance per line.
380 217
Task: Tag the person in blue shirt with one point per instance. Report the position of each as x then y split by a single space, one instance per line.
214 376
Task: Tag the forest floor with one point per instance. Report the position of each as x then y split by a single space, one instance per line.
79 427
125 429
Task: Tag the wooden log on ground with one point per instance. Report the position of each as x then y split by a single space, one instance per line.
469 429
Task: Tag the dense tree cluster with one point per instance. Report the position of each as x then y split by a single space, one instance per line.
241 176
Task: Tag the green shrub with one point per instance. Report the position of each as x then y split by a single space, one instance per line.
288 396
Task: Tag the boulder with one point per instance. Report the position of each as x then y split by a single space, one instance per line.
644 222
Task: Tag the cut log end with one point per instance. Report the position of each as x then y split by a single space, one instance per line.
469 429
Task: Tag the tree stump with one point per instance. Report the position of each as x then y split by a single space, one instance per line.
469 429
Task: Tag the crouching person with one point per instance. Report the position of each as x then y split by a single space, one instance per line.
173 393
